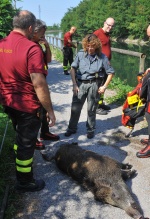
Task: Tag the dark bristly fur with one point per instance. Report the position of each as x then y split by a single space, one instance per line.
102 175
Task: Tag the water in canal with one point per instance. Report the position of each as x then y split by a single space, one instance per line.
126 67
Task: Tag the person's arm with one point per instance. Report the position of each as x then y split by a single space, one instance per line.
43 94
144 87
72 44
75 88
108 80
47 50
147 71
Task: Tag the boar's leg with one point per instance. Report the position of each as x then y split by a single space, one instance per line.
103 194
126 166
127 174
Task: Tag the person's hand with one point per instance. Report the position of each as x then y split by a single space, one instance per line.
51 119
147 70
75 89
101 89
44 42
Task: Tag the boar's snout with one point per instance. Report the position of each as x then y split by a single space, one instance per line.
143 217
134 211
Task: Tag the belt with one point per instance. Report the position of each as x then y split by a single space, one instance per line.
90 80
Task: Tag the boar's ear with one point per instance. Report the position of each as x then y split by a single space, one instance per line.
103 193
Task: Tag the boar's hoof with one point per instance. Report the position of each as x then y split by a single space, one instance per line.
126 166
127 174
143 217
47 157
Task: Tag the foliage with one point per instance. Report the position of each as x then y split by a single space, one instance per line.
132 17
121 91
57 53
6 15
54 27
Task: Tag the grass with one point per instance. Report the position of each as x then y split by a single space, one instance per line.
121 91
57 53
7 165
116 84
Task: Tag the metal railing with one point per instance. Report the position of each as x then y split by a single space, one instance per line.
57 42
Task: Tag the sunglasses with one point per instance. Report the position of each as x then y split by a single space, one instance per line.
109 25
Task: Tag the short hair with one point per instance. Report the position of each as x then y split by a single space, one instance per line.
93 40
24 19
39 24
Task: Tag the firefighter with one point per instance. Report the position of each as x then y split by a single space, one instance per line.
24 91
104 36
39 38
67 49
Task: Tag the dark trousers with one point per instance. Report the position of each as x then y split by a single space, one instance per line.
87 91
26 126
147 116
44 126
67 57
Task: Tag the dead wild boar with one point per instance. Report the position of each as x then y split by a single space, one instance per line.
102 175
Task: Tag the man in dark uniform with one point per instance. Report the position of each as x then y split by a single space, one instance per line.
23 91
67 49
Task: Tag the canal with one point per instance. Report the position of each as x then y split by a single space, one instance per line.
126 67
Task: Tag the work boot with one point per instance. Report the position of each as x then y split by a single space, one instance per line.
33 186
39 145
101 111
66 73
144 153
144 141
68 133
49 136
104 107
90 135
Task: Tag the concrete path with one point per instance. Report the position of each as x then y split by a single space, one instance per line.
63 198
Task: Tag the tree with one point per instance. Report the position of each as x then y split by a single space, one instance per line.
6 15
132 17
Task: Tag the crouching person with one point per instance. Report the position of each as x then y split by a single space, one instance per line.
23 91
88 73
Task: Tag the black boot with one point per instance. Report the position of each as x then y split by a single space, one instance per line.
33 186
66 72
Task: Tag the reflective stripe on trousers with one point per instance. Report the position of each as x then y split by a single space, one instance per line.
26 126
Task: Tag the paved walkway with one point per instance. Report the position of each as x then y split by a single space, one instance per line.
63 198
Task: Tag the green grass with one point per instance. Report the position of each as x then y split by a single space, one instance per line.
121 89
57 53
7 164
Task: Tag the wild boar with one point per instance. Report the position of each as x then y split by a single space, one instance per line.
102 175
